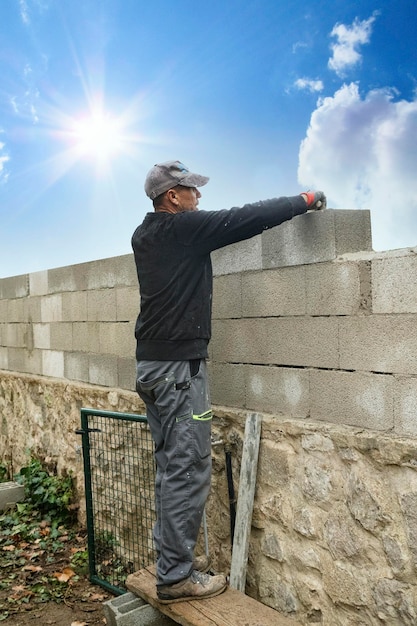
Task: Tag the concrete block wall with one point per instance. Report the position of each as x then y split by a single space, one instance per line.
334 340
74 322
308 322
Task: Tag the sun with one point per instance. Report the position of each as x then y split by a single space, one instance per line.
99 136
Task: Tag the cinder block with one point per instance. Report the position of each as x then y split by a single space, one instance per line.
42 336
102 370
352 398
4 358
227 384
316 237
333 289
68 278
3 310
61 336
76 366
302 341
238 257
51 308
295 341
405 422
379 343
117 338
129 610
115 271
394 284
277 390
10 494
101 305
14 287
17 310
126 371
240 341
38 283
85 337
34 309
274 292
23 360
127 304
74 306
53 363
15 335
227 296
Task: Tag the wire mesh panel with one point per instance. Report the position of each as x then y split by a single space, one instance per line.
119 471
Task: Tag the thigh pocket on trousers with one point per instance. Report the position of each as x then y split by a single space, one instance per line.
194 435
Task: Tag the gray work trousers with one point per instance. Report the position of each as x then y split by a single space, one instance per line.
179 415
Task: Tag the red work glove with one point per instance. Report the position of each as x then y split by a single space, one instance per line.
316 200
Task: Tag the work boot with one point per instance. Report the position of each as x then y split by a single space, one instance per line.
202 563
197 586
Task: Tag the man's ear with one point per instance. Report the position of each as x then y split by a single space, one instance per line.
172 196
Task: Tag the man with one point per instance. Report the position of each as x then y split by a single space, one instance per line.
172 253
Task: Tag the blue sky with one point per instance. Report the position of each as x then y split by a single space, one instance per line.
267 97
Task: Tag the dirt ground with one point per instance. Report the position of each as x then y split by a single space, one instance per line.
43 586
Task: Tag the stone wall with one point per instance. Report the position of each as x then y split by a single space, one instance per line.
312 329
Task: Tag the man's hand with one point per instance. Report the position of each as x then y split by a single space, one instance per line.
316 200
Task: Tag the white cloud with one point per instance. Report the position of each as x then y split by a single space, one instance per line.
24 11
309 85
3 160
349 38
361 152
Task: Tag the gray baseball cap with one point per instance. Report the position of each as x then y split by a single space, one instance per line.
164 176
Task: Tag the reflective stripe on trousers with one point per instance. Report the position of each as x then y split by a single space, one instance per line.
179 415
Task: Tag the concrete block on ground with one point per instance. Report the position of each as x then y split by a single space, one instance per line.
379 343
274 292
10 494
394 284
316 237
130 610
352 398
238 257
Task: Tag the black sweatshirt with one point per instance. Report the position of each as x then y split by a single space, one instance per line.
172 255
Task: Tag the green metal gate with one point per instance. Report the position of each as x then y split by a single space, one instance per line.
119 472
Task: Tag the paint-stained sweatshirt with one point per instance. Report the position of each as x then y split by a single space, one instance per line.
172 255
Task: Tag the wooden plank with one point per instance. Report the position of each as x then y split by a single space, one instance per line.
231 608
247 484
